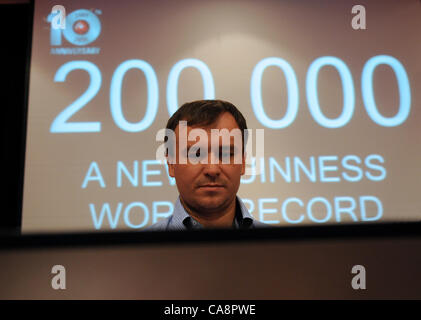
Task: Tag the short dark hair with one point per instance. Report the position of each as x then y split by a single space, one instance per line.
206 112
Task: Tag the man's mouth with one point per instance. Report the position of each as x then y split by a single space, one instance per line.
211 186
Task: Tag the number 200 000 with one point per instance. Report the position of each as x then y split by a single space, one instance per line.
62 125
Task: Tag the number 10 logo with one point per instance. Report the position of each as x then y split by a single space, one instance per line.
80 28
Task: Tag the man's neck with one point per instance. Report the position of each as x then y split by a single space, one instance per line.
220 219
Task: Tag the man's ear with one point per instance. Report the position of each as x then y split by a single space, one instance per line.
170 169
243 164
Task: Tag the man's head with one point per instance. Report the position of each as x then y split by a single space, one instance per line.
209 186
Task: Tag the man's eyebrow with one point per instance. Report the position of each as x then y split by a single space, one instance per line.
190 144
202 147
231 146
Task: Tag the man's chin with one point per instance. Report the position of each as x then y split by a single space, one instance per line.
212 203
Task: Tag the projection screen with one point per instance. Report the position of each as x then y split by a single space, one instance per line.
334 86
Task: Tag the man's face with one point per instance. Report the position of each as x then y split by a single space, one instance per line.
209 187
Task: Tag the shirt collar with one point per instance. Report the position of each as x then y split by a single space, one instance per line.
182 220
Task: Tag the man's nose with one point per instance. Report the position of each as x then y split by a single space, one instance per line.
211 169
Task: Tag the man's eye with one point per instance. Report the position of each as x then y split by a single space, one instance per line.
196 152
227 155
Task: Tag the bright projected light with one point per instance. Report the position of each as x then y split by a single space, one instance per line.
337 108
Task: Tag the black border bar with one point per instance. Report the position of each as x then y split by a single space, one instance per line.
319 233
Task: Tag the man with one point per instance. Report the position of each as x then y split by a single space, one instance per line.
207 176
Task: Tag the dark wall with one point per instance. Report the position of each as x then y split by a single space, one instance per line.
15 35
